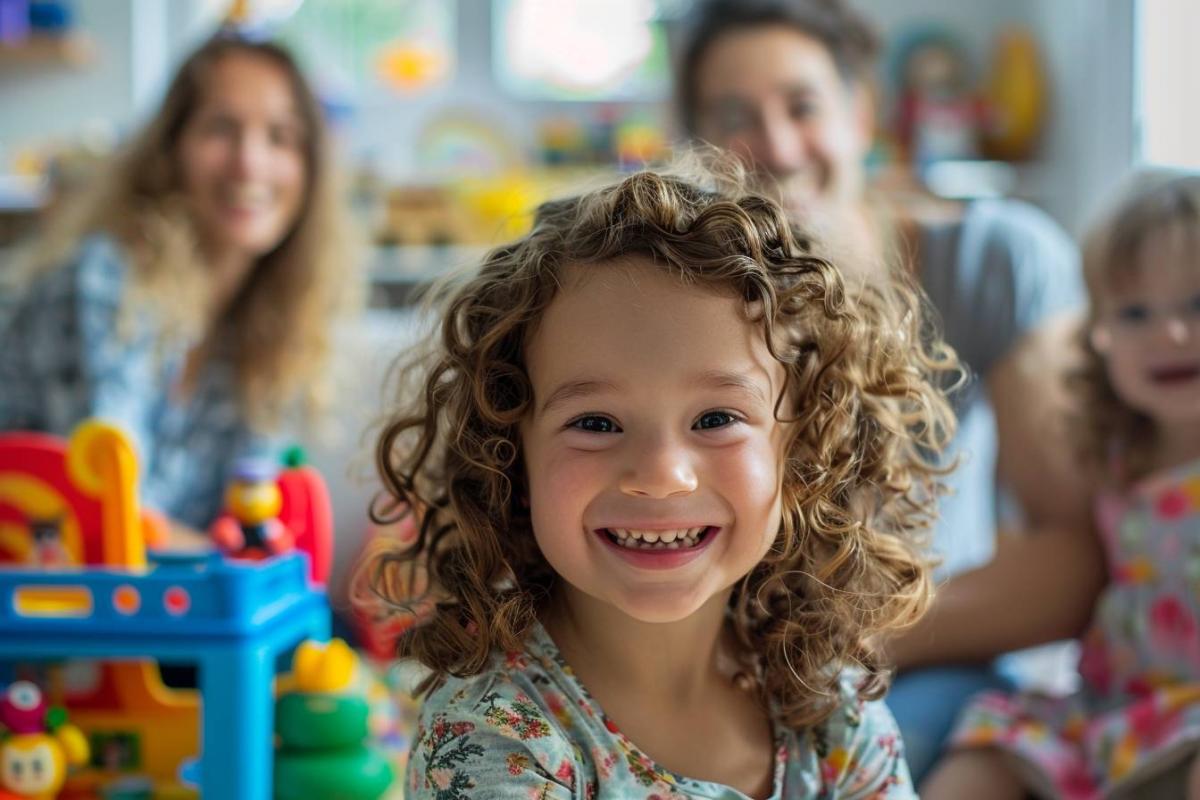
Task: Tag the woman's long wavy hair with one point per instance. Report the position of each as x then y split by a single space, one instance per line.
866 421
1109 432
279 328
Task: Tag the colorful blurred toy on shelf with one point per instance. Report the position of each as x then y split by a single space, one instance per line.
422 216
639 142
1015 95
37 744
321 720
938 113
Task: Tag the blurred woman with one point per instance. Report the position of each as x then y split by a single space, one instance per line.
190 295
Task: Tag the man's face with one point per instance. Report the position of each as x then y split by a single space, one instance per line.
774 96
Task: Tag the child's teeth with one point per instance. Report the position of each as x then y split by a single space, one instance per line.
657 540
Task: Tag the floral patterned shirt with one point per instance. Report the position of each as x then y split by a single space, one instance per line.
526 728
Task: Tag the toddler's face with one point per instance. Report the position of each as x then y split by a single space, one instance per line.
1149 333
653 453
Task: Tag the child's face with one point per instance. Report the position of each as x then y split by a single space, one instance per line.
1149 333
653 418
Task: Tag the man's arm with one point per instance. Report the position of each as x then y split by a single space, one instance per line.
1043 581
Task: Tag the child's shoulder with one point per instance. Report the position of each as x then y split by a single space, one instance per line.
856 723
495 728
858 748
515 677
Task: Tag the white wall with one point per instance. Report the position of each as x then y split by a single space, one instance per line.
1090 143
40 101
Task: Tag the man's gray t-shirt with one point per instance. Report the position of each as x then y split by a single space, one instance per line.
993 275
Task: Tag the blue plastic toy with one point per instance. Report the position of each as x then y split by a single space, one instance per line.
235 620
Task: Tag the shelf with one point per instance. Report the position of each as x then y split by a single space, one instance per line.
71 50
398 274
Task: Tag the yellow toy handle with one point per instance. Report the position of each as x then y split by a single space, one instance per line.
102 462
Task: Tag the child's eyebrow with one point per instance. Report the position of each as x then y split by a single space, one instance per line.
572 390
715 379
723 379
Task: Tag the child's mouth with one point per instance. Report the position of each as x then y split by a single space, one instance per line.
658 540
1175 374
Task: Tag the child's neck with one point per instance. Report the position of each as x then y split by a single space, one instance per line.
1176 444
677 662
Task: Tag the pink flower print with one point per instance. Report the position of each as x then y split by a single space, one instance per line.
1172 624
1094 664
1138 686
517 763
1172 504
565 772
1148 724
1075 781
441 778
515 661
558 707
604 762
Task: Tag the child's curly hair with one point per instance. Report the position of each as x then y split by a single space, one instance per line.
864 396
1152 202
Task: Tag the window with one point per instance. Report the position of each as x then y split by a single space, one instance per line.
581 49
1168 61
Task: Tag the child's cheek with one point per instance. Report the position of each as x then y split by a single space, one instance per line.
562 484
752 467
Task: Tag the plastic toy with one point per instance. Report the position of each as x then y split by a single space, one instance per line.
233 619
38 744
1015 92
938 112
89 488
321 721
303 510
252 529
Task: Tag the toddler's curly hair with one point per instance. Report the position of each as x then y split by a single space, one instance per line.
864 399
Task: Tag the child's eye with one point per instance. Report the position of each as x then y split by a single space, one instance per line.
594 424
1133 313
715 419
1193 306
801 109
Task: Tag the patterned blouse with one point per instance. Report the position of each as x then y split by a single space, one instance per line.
64 357
526 728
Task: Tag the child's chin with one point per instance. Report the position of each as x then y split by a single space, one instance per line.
660 613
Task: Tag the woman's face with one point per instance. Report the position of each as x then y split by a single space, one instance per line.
242 157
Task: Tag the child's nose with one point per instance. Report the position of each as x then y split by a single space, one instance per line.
1177 329
659 469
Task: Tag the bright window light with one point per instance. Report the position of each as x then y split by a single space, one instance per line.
1168 68
580 49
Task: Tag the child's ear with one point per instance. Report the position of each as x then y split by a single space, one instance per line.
1100 337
